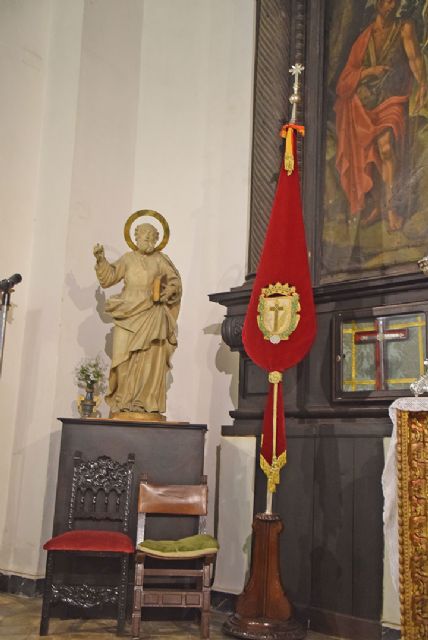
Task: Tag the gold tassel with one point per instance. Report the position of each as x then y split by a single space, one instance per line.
287 132
289 152
272 470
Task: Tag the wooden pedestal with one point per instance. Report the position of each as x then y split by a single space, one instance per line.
263 611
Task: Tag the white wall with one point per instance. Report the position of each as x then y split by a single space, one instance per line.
235 506
23 40
38 124
113 106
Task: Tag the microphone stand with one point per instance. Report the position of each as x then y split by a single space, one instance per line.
5 302
6 288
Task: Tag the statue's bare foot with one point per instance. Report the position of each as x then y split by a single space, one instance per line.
371 218
395 222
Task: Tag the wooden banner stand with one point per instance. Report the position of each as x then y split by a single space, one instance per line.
263 611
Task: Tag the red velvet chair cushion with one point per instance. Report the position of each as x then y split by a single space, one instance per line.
83 540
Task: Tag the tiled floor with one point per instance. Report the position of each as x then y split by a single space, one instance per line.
20 618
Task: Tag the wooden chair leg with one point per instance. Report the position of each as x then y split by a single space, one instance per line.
138 599
123 587
47 595
206 601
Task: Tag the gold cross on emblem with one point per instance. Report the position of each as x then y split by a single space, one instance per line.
276 309
278 312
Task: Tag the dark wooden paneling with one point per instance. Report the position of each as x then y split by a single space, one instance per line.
330 501
319 366
294 502
333 525
367 558
255 380
271 82
344 626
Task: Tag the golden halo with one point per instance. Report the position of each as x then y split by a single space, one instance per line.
152 214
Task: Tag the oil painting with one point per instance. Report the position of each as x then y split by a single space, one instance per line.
375 183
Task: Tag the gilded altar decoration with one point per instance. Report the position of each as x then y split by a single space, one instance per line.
145 317
278 312
412 463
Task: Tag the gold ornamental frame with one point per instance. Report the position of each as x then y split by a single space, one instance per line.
412 467
151 214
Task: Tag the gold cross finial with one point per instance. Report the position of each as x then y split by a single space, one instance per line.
296 71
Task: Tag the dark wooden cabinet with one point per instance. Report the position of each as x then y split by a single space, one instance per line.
170 453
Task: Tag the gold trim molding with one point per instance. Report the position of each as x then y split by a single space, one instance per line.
412 467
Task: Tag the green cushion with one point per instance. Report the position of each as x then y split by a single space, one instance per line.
192 547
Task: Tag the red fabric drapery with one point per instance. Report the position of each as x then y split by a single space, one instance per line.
283 259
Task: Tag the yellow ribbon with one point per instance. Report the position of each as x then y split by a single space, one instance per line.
287 132
272 470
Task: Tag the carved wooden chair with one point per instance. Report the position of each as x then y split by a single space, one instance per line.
195 582
98 518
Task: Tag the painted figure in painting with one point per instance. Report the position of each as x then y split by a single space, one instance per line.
373 93
145 314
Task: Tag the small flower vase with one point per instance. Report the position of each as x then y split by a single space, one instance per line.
88 403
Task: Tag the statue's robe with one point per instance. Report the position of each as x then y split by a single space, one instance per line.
144 336
366 108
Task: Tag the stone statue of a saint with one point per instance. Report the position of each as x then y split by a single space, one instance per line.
145 315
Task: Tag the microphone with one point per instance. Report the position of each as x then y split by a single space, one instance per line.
8 283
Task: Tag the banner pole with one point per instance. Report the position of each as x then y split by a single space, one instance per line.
269 497
269 494
263 609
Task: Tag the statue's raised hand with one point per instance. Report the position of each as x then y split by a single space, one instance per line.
99 252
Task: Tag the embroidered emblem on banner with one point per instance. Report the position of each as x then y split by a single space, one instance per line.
278 312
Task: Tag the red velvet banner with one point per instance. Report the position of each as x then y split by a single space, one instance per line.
284 259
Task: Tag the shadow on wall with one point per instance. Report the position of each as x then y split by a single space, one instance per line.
226 362
83 298
88 332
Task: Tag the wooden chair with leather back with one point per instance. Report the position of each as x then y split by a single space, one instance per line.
98 521
195 582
